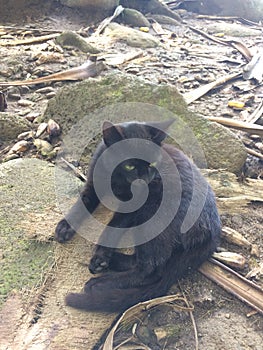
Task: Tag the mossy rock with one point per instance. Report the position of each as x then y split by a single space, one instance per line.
117 97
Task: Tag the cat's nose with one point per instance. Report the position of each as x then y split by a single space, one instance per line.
146 178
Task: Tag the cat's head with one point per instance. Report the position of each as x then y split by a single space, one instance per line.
134 168
154 131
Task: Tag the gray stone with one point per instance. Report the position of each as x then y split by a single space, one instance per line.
72 39
130 36
167 20
134 18
105 4
80 110
232 29
12 125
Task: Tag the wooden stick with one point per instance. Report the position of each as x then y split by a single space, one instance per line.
75 170
238 125
254 153
34 40
234 283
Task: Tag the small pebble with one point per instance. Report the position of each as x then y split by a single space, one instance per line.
15 97
19 147
53 128
41 129
24 112
25 103
32 116
45 90
27 135
43 146
51 94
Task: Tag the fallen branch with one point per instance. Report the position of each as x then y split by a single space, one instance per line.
234 283
230 18
86 70
238 125
33 40
234 43
195 94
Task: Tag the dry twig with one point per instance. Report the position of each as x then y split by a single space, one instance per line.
194 95
76 171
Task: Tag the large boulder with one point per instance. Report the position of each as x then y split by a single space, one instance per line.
81 108
25 199
36 272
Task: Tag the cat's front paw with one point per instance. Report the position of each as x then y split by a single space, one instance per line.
99 264
64 232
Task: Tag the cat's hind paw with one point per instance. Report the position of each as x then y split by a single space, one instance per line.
64 232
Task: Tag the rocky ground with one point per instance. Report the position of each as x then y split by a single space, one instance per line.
37 273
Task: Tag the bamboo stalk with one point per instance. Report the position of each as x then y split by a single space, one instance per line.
234 283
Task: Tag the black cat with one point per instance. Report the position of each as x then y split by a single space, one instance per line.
160 258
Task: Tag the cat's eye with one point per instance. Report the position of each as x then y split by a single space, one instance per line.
153 165
129 167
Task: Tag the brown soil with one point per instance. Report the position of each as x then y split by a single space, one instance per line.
42 321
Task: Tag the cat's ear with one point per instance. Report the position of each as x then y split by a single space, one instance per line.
111 133
158 130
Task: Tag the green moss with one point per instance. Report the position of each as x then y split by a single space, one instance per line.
23 261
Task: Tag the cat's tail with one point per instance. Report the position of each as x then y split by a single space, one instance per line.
104 294
105 297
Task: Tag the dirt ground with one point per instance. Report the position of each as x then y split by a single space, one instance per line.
189 61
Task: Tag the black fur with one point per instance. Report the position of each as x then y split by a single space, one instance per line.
161 261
